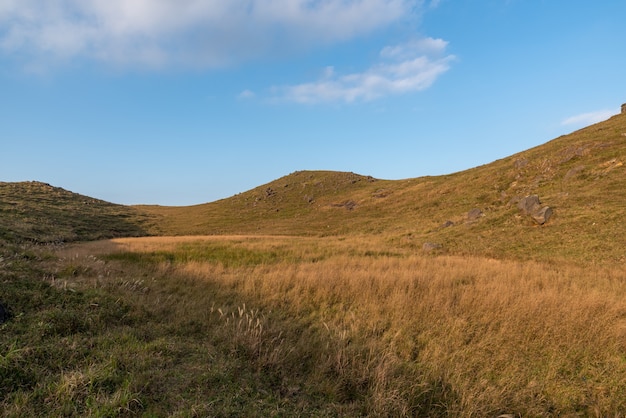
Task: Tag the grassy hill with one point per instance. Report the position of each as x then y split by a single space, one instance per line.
41 213
342 315
581 176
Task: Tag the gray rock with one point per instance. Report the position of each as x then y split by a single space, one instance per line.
431 246
474 214
543 215
531 206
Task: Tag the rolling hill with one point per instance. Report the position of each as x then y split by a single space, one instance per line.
580 176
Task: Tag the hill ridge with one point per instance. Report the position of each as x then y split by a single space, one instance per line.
579 175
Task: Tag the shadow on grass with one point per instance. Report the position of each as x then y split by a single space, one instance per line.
130 337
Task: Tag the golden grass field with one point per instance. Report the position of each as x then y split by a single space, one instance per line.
394 333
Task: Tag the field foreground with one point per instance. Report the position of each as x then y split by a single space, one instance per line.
284 326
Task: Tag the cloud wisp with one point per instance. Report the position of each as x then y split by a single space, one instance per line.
246 94
590 118
187 33
404 68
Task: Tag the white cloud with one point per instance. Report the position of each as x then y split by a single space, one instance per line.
434 3
247 94
415 47
409 67
590 118
201 33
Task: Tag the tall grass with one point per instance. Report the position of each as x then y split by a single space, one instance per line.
482 336
328 327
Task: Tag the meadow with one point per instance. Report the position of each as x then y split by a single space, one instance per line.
312 326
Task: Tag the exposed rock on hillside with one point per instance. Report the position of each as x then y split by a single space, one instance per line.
431 246
474 214
531 206
348 204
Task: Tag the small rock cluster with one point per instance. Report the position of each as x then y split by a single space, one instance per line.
531 206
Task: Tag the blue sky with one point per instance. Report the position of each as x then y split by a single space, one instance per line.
179 102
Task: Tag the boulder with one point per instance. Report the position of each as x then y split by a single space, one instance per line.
474 214
542 215
531 206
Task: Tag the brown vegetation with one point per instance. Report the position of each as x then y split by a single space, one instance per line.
390 332
580 177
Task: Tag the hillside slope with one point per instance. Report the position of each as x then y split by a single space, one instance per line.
41 213
580 175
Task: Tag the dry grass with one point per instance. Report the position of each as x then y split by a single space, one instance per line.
405 334
40 213
580 176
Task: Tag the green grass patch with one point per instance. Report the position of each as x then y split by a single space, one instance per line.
228 256
232 255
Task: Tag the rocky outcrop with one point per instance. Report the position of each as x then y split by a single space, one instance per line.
531 206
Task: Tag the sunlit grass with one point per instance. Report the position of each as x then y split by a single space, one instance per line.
325 327
580 176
